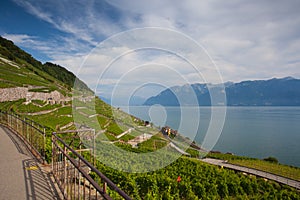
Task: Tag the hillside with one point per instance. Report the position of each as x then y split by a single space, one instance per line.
52 74
42 92
273 92
45 94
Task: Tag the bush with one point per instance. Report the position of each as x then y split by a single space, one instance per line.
271 159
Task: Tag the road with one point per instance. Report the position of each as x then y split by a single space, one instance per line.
280 179
22 177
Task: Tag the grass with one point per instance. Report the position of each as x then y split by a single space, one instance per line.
102 121
154 143
31 108
108 136
274 168
134 133
21 76
127 137
64 111
51 120
115 129
84 120
279 169
194 153
87 111
39 102
6 84
11 105
44 90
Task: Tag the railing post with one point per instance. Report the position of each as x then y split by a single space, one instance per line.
53 153
17 124
44 146
104 187
23 128
31 133
65 170
27 131
84 185
94 149
8 120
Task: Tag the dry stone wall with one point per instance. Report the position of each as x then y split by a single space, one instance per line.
13 94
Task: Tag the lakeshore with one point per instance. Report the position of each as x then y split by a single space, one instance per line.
257 132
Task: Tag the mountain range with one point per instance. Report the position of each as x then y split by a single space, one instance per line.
272 92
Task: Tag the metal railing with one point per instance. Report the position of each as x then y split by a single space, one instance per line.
73 172
70 169
32 133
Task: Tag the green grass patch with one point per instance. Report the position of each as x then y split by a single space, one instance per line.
194 153
279 169
51 120
21 76
110 137
126 137
39 102
152 144
44 90
31 108
102 121
11 105
67 110
115 129
6 84
134 133
274 168
222 156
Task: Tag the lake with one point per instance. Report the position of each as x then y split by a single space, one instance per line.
257 132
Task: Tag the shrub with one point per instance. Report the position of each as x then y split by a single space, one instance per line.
271 159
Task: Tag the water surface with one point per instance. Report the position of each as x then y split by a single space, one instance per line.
257 132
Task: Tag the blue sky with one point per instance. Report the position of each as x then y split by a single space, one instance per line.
245 39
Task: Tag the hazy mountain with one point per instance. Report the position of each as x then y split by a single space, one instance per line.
273 92
133 101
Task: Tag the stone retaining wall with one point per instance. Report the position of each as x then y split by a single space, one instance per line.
13 94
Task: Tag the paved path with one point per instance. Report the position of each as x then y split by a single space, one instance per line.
21 176
178 149
280 179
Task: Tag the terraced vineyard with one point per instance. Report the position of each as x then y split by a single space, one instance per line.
185 178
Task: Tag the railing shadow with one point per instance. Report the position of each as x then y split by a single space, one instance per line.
21 147
38 182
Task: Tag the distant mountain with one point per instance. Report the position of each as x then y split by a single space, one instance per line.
136 101
273 92
133 101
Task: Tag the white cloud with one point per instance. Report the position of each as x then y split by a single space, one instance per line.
18 38
246 39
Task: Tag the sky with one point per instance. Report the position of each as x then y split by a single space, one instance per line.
123 47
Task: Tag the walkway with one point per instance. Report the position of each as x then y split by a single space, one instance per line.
178 149
21 176
280 179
